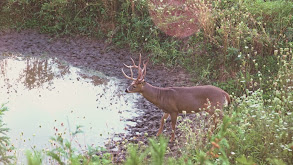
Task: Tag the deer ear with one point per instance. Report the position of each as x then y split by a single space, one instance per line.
143 82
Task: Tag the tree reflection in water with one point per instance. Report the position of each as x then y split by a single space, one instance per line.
44 93
35 72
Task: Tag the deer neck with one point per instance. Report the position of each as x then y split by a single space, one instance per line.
151 93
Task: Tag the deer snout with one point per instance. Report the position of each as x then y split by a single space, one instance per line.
126 90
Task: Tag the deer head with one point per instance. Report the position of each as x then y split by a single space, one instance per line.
137 83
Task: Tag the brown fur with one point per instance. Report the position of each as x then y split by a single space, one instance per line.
175 100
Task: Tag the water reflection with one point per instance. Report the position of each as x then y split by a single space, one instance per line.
33 72
46 96
40 71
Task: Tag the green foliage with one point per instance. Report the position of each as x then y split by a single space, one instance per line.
156 151
58 16
275 15
34 158
234 35
254 125
244 161
65 153
135 157
276 161
4 139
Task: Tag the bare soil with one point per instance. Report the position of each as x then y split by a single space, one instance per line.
94 54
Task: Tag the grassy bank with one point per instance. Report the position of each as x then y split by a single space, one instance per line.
235 39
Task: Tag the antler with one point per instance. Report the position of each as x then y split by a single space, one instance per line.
141 72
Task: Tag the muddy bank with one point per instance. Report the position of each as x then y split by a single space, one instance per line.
96 55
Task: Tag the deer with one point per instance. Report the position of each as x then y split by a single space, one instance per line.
175 100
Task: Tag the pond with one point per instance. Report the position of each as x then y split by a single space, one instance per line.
47 97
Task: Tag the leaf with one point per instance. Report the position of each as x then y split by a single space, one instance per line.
56 157
33 158
244 161
276 161
158 149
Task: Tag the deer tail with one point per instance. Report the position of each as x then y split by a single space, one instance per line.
227 98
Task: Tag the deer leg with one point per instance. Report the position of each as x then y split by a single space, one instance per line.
173 120
164 117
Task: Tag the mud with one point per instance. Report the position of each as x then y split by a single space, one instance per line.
94 54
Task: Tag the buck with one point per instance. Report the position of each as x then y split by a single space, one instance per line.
175 100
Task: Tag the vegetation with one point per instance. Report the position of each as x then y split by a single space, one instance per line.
233 35
63 152
5 148
252 128
243 46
